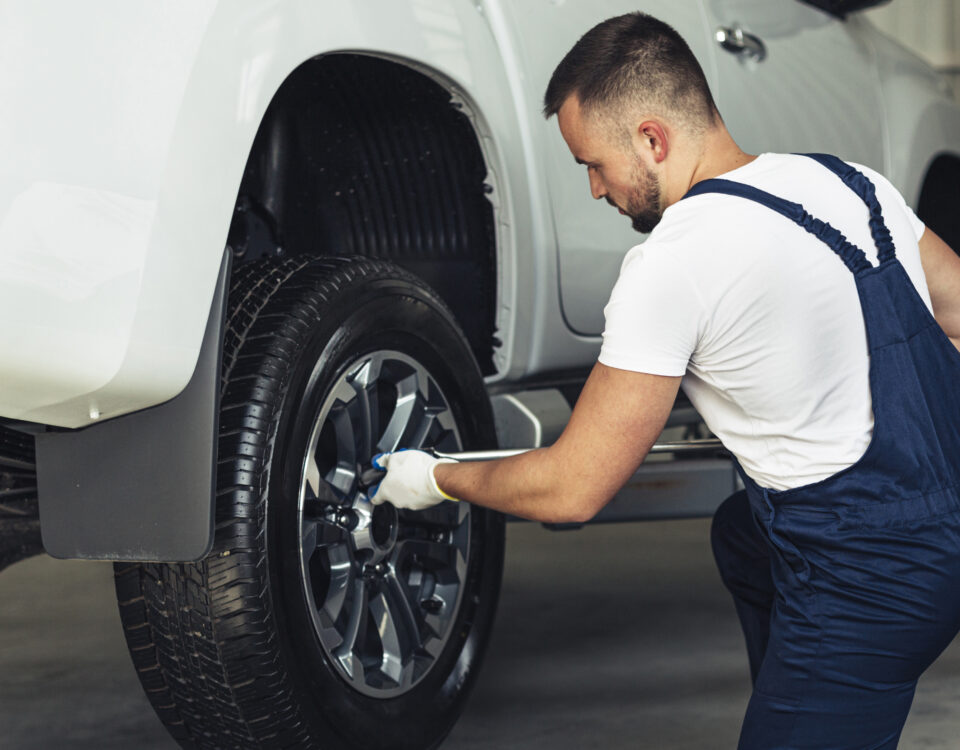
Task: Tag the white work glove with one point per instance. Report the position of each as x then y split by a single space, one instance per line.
409 482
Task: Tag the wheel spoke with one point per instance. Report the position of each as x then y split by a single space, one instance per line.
445 419
462 513
409 406
367 408
434 554
341 574
308 538
420 429
317 488
403 612
398 629
345 652
445 437
319 533
459 567
342 475
312 472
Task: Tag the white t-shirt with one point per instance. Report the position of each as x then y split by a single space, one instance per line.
762 318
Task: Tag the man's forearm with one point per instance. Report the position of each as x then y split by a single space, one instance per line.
530 486
615 421
617 418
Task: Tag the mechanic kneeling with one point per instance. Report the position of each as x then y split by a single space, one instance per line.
794 294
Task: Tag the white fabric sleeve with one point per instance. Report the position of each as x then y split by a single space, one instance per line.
887 192
653 316
918 226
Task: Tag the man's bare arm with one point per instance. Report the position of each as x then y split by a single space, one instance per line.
617 418
941 267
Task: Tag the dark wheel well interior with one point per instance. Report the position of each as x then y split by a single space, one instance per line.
358 155
939 204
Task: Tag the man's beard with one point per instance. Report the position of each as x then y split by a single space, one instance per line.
643 205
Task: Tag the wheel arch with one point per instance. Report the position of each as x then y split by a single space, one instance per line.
361 154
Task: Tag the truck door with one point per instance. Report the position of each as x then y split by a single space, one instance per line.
591 237
793 78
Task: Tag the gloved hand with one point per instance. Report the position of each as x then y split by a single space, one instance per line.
409 482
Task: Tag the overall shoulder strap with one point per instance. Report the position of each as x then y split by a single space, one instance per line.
860 184
850 254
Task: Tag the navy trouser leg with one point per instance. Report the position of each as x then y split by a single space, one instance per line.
827 682
743 559
857 617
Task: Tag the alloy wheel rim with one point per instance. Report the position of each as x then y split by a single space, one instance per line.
383 585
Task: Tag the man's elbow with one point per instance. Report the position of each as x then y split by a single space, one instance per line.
579 508
583 514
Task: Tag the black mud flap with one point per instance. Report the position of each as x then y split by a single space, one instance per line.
141 486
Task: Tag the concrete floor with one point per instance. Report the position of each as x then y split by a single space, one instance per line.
610 637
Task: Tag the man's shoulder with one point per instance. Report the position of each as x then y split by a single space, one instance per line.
685 244
713 216
720 215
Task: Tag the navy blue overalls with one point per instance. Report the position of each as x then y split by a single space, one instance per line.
849 588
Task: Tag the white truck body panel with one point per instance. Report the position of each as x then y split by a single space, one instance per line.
122 181
591 237
763 105
119 181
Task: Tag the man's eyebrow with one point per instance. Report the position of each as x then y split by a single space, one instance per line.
578 160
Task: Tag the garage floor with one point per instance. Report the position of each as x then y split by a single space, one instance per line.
610 637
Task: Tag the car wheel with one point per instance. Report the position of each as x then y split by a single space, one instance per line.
319 620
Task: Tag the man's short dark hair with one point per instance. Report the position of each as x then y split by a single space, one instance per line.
631 59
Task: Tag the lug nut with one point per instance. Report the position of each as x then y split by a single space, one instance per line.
432 606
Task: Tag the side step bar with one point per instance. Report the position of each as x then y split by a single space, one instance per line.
673 489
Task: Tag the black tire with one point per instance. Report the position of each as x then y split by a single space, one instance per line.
234 651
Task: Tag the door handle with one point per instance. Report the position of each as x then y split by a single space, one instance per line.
743 45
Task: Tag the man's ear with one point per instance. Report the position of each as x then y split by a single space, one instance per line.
651 138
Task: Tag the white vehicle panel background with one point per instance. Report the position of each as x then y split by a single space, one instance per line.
125 134
797 99
817 90
591 237
114 217
922 119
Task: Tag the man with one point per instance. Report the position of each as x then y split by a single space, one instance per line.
826 377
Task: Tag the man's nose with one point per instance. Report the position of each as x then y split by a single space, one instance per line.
597 189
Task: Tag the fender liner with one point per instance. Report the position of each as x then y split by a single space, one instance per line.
141 486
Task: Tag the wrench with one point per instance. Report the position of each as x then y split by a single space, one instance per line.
371 475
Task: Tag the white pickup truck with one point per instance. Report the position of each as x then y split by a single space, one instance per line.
246 244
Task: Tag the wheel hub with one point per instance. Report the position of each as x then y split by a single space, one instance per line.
373 530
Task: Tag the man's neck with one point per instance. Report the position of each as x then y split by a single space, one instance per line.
719 154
